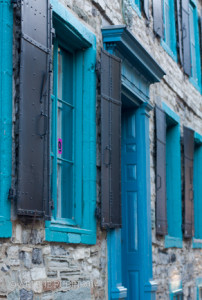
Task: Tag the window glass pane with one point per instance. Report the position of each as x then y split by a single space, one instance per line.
193 43
65 131
65 75
65 190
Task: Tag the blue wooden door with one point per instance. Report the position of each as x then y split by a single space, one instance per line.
131 259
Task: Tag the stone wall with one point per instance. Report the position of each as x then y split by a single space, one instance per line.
30 267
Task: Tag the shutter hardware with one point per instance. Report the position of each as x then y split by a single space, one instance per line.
98 213
12 195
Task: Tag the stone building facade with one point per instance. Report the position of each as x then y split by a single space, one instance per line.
34 267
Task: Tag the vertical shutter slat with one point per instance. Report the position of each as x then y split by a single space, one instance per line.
158 18
186 37
146 8
110 140
33 153
179 26
188 182
161 212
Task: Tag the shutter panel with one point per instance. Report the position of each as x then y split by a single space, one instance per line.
110 141
146 8
158 18
161 212
33 153
200 34
188 182
186 37
179 26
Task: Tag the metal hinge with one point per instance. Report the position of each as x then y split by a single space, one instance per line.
12 195
98 66
98 213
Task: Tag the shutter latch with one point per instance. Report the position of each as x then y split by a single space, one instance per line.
11 195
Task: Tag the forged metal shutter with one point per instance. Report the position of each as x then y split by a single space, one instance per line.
33 152
161 212
110 141
188 182
158 18
200 34
179 26
146 8
186 37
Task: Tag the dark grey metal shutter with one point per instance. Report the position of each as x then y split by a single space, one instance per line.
188 182
200 34
110 141
33 152
179 33
158 18
161 211
186 37
146 8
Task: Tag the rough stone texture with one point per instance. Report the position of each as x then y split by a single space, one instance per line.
30 267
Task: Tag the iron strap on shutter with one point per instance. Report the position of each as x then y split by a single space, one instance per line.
33 152
161 212
110 141
179 26
158 18
186 37
188 182
146 8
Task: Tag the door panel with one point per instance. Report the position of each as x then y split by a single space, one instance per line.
130 231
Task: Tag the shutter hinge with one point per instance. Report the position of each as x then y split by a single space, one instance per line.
12 195
15 2
53 33
51 202
98 66
98 213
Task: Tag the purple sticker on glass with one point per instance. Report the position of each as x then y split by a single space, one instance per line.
60 146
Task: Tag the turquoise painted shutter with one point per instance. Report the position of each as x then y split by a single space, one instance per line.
6 72
110 140
186 37
188 182
33 152
158 18
161 213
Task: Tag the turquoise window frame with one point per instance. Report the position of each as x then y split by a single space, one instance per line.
136 5
6 72
195 80
197 240
198 287
84 230
170 46
173 180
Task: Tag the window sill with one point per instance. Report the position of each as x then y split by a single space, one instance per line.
173 242
136 8
195 84
168 50
119 293
196 243
55 232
